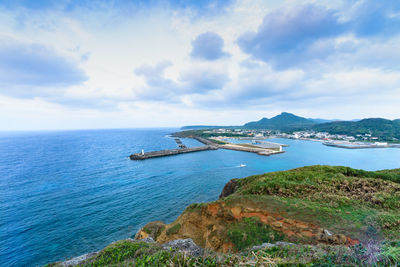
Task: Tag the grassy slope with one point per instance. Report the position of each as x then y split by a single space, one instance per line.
128 253
334 197
367 203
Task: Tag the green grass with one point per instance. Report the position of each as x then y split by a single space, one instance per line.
362 204
147 230
341 199
250 231
324 255
128 253
218 142
153 229
340 185
390 252
117 253
195 207
174 229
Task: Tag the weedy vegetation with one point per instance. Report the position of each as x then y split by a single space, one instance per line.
362 204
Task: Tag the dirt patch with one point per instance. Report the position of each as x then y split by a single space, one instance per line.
208 227
295 229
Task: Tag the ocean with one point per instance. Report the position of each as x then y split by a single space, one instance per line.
66 193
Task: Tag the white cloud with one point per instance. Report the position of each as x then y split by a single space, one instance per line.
108 43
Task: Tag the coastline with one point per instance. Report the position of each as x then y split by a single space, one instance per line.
202 229
342 144
223 163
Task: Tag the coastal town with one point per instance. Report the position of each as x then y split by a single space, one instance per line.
337 140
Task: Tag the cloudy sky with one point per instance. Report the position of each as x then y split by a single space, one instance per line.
135 63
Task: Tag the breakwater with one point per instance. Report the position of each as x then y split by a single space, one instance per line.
205 141
360 146
352 146
253 149
169 152
181 150
179 142
208 145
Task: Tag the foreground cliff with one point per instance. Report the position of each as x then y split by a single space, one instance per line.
310 215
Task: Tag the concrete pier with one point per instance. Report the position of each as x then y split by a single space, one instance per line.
169 152
205 141
359 145
258 150
208 145
179 143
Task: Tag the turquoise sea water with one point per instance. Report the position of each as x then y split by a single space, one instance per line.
63 194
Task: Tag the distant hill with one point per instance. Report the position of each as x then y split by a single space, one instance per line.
283 121
384 129
203 127
377 127
320 120
199 127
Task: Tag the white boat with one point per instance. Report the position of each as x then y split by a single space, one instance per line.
242 165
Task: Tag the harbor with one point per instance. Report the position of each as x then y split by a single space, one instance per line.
261 148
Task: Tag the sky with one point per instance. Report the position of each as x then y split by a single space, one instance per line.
86 64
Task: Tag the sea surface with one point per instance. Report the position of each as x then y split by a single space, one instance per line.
66 193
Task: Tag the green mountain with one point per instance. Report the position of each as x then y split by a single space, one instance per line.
388 130
199 127
384 129
284 121
320 120
377 127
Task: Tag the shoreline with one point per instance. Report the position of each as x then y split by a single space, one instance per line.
190 233
343 144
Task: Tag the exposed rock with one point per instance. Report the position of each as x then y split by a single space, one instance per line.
152 229
186 246
327 233
78 260
270 245
342 239
284 244
331 238
229 188
277 224
208 226
263 246
146 240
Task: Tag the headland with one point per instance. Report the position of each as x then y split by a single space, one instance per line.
313 216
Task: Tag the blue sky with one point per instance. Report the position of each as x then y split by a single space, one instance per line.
134 63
